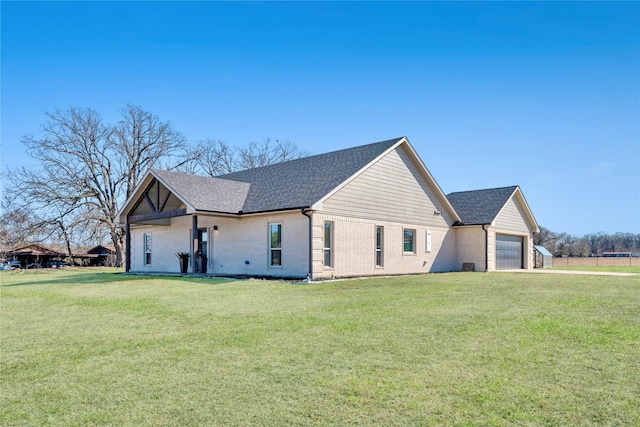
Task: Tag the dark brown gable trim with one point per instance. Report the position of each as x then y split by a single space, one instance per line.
158 215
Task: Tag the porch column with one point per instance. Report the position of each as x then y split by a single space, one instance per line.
127 248
194 234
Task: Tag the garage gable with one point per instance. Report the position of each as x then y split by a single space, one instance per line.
505 208
512 218
516 216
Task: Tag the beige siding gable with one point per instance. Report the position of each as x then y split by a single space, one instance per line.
392 189
512 218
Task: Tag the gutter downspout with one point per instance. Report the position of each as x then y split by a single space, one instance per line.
486 248
305 212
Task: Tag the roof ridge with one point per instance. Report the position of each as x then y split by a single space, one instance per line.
315 156
194 175
484 189
481 206
302 182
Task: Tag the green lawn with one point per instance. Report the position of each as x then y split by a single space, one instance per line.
618 269
84 348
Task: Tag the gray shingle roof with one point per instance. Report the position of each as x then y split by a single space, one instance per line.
204 193
480 206
288 185
302 182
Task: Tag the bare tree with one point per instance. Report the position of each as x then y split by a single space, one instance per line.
212 158
564 244
580 247
16 225
546 238
36 221
266 153
87 169
218 158
54 192
142 141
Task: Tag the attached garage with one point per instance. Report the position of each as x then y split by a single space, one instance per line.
509 250
507 225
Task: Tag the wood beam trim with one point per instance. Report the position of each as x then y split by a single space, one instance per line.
158 195
164 202
157 215
148 199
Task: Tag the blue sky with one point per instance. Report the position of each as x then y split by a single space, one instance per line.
543 95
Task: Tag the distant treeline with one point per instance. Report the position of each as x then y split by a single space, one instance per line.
593 244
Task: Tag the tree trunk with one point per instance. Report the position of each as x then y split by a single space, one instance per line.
67 241
117 244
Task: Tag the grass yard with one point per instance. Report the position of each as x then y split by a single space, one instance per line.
616 269
85 348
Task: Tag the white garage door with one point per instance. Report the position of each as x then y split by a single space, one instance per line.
508 252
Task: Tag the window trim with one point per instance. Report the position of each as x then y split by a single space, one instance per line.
413 241
379 246
326 248
273 249
428 244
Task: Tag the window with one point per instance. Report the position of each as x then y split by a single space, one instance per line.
428 240
409 241
203 249
328 244
275 245
147 248
379 240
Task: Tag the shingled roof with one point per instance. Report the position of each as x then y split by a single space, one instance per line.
480 206
302 182
204 193
288 185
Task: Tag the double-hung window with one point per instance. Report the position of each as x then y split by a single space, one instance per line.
147 248
328 244
379 241
409 241
275 245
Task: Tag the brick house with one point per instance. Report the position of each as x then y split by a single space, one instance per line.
364 211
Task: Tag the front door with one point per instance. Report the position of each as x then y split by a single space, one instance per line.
203 244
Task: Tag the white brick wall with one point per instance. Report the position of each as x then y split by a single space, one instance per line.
354 248
165 242
247 239
237 240
470 245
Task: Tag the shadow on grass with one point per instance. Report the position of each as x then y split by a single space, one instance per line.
97 278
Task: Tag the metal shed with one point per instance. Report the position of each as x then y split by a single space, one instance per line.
544 259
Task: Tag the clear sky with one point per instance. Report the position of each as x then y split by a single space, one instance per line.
543 95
